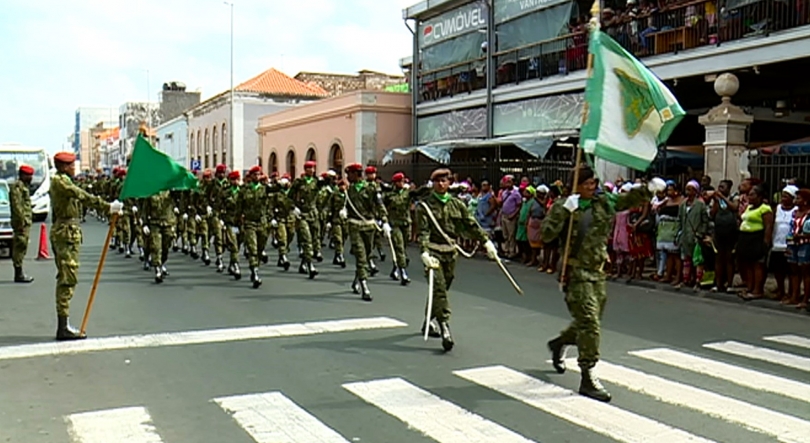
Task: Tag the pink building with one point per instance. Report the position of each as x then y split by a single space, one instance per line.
354 127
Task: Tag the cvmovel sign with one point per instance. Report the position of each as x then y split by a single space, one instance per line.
453 23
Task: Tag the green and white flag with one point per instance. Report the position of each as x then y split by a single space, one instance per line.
630 111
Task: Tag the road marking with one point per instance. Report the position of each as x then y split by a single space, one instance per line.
125 425
734 374
602 418
764 354
274 418
197 337
436 418
784 427
793 340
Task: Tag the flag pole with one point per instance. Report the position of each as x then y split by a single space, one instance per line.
594 24
100 267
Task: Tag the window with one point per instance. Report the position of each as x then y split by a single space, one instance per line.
336 158
272 164
311 154
225 143
215 144
291 162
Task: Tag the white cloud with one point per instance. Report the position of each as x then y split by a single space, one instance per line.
96 52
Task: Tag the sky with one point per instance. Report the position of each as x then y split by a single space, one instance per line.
59 55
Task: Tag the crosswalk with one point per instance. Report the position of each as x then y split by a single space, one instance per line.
274 417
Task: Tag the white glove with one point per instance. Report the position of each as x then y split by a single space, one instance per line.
176 211
198 219
297 212
274 223
344 214
430 262
89 186
116 207
387 229
572 202
406 186
134 209
185 217
328 226
209 210
222 223
657 185
235 230
492 251
146 230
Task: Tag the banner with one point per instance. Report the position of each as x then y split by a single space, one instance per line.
453 23
509 9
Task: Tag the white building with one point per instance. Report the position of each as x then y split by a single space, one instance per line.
87 118
172 139
131 116
208 122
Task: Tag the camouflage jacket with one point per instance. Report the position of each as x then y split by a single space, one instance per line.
281 203
66 202
158 210
398 204
253 203
337 202
21 211
364 203
324 196
304 193
592 225
230 211
452 216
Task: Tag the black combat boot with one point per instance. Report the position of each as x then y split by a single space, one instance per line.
591 387
311 270
237 271
274 243
264 258
318 257
434 329
158 275
394 273
557 348
206 259
356 285
302 268
372 268
447 338
121 248
220 264
193 252
254 277
175 247
146 263
404 280
364 291
65 332
382 255
20 277
164 270
128 252
141 254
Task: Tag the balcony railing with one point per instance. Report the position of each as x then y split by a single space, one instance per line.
675 27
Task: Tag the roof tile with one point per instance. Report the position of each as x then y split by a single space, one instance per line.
275 82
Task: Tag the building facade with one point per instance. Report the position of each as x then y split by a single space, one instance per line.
174 100
494 68
339 84
86 118
131 116
172 139
209 122
354 127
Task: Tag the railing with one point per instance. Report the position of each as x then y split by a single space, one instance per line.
775 170
676 27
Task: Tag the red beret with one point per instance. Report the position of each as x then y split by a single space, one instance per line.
207 173
309 164
274 174
233 175
64 157
286 175
255 169
122 172
371 170
222 168
25 169
398 177
324 174
354 167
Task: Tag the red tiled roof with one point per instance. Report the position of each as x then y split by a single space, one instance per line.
275 82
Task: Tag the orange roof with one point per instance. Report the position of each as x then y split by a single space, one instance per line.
275 82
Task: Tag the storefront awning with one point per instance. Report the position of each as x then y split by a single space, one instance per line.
536 144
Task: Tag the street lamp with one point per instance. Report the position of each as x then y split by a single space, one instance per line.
230 125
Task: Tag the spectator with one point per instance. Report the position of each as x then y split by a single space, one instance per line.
725 234
798 255
511 201
693 225
777 262
754 244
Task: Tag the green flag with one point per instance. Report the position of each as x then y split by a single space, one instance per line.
630 110
151 171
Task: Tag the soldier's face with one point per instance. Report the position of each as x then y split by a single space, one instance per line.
587 188
441 185
309 171
399 184
26 178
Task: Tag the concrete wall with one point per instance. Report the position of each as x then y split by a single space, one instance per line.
339 84
174 103
173 140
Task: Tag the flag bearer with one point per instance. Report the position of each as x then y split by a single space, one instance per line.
21 221
66 235
584 285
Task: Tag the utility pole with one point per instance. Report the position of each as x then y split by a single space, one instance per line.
231 137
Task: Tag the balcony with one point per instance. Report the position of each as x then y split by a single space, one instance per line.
674 39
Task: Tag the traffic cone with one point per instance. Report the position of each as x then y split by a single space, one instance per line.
43 243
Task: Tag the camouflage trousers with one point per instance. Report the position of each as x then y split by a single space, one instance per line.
65 241
232 242
281 237
201 230
338 235
442 279
250 237
215 230
361 237
190 234
586 303
122 226
307 235
400 235
19 245
262 234
160 240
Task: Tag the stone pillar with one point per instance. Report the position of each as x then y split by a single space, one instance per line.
726 126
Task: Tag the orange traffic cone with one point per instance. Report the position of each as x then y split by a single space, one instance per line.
43 243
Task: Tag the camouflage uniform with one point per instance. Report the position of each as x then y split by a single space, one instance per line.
398 204
159 217
304 192
335 206
364 207
252 211
282 205
65 237
231 216
21 221
212 190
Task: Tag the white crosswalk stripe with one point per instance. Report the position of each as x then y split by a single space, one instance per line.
605 419
764 354
793 340
438 419
124 425
734 374
273 418
784 427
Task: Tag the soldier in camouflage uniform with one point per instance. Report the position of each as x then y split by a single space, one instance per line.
178 200
263 234
231 217
204 213
159 222
21 220
112 190
191 216
364 207
213 191
337 222
398 204
281 208
253 213
378 251
443 221
585 290
304 192
124 223
66 236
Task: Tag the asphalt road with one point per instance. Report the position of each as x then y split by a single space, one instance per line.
331 368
